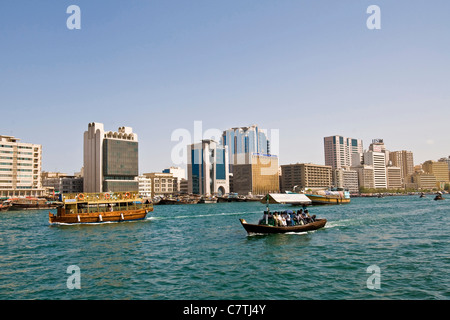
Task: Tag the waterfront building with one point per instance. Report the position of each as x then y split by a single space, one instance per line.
242 142
162 184
394 177
378 161
258 177
365 176
62 182
179 174
110 159
20 168
447 161
339 150
405 161
145 186
345 178
439 169
421 181
305 176
208 168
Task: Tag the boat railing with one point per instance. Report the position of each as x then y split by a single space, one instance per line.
100 197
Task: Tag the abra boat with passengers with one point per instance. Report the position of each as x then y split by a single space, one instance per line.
265 229
100 207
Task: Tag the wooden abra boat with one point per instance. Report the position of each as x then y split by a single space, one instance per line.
100 207
262 228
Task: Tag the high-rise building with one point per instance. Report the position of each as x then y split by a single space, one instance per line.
404 160
208 168
110 159
242 142
20 168
339 150
378 161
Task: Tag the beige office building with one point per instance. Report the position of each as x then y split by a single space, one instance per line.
394 177
422 181
365 176
439 169
259 177
20 168
162 184
305 176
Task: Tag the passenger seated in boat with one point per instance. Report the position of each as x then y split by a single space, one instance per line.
270 220
288 220
305 217
278 219
308 217
265 218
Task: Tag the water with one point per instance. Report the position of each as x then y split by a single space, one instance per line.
202 252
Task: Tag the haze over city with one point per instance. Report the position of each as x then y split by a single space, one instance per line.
307 69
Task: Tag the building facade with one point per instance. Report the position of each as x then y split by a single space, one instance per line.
110 159
346 178
338 150
208 169
303 176
20 168
439 169
259 177
62 183
145 186
162 184
394 177
405 161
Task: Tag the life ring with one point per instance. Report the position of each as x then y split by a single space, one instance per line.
127 195
107 196
80 197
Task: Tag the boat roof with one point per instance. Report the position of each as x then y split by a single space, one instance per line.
287 198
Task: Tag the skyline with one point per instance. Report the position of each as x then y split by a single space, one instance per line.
309 70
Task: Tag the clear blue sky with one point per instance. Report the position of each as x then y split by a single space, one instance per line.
307 68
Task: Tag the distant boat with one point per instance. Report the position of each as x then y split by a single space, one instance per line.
178 201
29 203
5 205
439 196
329 197
208 200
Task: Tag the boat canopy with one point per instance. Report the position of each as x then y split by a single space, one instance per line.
287 198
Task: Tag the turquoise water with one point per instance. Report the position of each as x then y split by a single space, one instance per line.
202 252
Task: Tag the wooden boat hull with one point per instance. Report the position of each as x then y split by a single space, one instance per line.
99 217
264 229
317 199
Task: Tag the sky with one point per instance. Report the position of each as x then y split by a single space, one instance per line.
304 69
